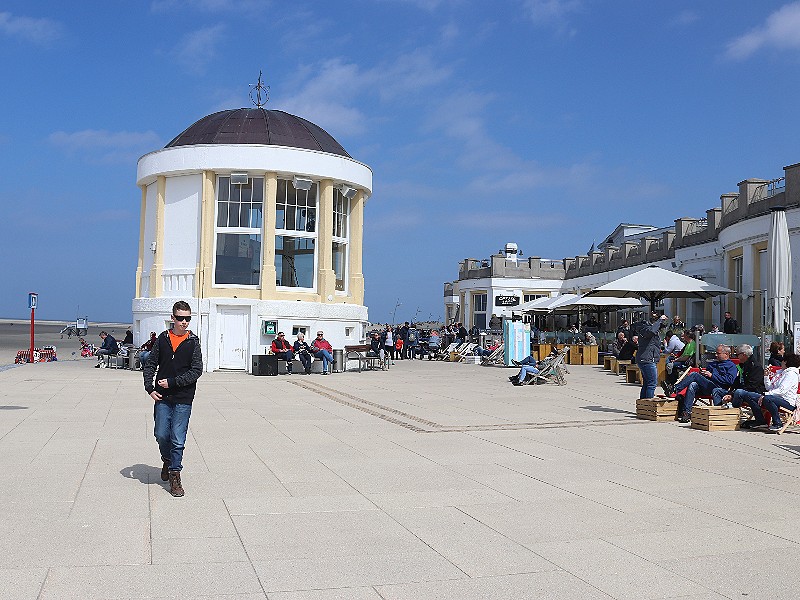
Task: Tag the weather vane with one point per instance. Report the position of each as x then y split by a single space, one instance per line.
261 93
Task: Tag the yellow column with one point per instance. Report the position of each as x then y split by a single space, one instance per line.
156 283
326 278
355 245
204 273
268 274
140 264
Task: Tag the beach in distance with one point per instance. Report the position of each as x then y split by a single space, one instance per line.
15 335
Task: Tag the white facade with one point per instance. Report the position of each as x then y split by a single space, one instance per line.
180 233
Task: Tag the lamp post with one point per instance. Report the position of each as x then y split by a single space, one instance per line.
394 312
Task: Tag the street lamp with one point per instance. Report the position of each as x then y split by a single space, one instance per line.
394 312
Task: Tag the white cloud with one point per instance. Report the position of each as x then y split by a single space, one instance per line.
197 48
100 145
553 13
39 31
685 17
406 75
781 31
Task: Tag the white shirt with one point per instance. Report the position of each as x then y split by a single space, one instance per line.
784 385
674 344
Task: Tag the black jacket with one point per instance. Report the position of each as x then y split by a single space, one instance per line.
649 343
730 326
752 377
628 351
181 368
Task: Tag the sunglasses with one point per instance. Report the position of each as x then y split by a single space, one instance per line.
177 318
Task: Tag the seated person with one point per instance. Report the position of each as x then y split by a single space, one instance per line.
86 348
283 350
147 348
434 343
323 351
673 344
719 373
676 366
527 371
375 346
776 350
490 347
108 348
128 338
628 351
781 391
619 344
751 379
528 360
589 339
303 351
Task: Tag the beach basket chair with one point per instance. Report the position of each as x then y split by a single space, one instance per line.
552 369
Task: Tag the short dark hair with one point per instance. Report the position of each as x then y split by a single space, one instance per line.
181 305
791 359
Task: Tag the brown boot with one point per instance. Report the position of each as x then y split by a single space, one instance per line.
175 487
165 470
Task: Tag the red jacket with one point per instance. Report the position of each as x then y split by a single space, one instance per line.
278 347
322 344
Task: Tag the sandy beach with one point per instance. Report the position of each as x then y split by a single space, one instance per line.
15 335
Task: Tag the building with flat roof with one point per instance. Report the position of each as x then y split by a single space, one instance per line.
726 247
255 217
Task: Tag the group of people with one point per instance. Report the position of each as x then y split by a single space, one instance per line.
319 349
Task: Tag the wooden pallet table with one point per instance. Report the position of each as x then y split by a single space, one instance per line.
608 362
715 418
656 409
633 374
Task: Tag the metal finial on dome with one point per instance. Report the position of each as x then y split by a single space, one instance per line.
261 91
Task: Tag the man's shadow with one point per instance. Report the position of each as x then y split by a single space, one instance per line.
147 474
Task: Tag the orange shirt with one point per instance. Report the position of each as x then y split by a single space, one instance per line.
176 340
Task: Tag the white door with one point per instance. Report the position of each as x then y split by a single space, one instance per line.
233 333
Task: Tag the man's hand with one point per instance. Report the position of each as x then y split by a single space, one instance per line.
155 396
726 398
663 317
706 373
163 383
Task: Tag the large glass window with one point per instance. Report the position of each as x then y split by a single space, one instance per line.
341 210
296 210
238 227
295 261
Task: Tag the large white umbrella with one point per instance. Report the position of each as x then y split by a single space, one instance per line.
779 257
549 304
599 303
654 284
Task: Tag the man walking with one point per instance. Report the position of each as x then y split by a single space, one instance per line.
177 363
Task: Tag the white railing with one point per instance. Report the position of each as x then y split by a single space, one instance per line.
696 226
177 282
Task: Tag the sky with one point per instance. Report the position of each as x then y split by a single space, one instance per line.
542 122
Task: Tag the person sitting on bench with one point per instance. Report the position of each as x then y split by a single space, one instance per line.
434 343
283 350
676 366
303 351
323 351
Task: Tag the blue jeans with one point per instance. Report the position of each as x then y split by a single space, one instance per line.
649 379
719 393
771 403
172 423
523 372
694 384
751 399
325 357
528 360
143 356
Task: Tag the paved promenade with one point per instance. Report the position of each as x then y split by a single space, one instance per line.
431 480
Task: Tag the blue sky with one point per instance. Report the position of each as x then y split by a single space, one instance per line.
545 122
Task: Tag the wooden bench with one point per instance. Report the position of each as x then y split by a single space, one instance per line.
358 352
608 362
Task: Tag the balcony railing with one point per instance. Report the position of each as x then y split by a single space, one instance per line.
730 204
769 189
694 227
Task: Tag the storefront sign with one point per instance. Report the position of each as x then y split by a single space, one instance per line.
506 300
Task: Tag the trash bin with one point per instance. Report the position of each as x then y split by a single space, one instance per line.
133 359
338 361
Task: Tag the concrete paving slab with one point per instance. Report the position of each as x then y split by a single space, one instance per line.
431 480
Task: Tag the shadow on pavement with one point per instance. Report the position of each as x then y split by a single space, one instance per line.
607 409
790 449
145 473
13 408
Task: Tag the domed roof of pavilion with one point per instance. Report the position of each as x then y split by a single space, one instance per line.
258 126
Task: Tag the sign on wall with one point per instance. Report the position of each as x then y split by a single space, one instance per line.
506 300
270 327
